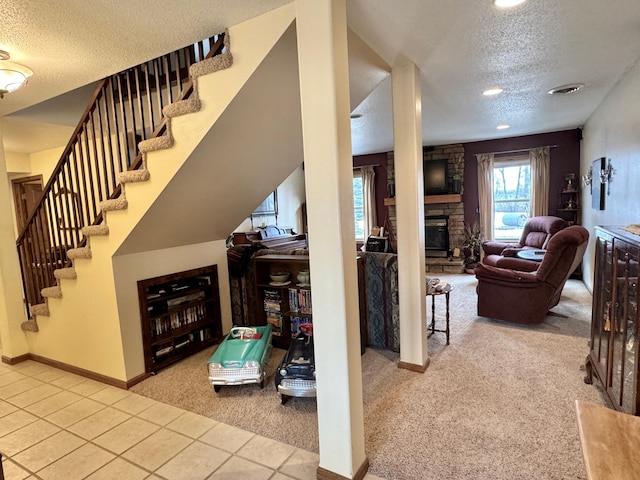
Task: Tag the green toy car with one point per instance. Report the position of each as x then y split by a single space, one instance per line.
241 357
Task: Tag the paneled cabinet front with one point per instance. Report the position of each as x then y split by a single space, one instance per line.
614 325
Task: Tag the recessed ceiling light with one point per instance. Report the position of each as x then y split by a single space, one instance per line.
564 89
504 126
356 115
492 91
507 3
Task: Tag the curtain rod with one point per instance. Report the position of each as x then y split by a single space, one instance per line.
519 150
370 165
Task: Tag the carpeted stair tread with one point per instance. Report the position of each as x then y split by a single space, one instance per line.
113 205
92 230
51 292
159 143
132 176
182 107
29 326
68 273
40 309
210 65
82 252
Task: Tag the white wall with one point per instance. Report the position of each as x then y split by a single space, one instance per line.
613 131
291 196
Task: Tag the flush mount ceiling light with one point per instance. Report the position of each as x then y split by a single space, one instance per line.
504 126
507 3
12 75
564 89
492 91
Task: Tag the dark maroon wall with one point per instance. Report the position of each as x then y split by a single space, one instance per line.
565 158
379 162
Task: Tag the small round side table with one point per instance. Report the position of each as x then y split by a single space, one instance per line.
433 293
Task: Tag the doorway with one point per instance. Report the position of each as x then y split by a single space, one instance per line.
26 195
27 192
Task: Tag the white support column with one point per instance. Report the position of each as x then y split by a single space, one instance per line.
324 91
407 132
12 312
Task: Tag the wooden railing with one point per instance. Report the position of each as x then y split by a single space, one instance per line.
125 109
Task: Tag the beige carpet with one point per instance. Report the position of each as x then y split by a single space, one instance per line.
497 403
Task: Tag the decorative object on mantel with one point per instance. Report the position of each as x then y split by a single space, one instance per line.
471 246
456 181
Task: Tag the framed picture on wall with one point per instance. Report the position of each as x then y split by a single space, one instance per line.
268 207
597 187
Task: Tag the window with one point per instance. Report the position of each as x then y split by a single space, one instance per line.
511 197
358 205
364 203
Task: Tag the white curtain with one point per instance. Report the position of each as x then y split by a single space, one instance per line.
485 194
539 161
369 198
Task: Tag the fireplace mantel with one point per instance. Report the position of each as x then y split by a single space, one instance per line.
431 199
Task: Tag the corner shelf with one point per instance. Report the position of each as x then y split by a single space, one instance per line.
572 214
180 315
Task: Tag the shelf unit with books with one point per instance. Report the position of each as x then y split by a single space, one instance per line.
180 315
285 305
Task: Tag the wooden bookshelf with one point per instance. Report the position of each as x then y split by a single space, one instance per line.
283 306
180 315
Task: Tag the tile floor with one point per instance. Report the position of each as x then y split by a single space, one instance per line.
57 425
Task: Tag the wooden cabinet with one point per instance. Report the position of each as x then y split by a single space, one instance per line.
285 305
613 351
180 315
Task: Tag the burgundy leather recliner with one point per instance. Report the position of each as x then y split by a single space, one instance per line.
536 234
526 297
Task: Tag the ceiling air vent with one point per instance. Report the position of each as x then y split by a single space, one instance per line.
564 89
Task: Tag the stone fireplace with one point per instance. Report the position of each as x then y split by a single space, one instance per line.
449 207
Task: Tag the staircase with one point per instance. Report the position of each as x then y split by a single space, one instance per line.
189 103
78 321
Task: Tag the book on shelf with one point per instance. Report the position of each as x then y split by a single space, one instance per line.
166 323
275 320
300 300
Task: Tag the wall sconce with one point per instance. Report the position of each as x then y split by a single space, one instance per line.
605 176
12 75
586 179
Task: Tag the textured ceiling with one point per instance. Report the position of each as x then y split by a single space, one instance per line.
461 47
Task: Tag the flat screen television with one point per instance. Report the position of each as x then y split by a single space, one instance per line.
436 178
